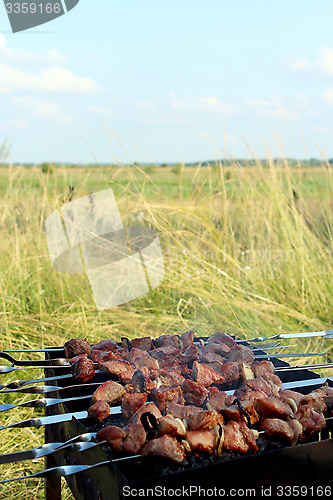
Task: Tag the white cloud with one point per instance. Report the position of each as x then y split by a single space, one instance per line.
18 123
145 104
53 79
328 96
299 64
273 108
2 41
25 56
98 110
42 109
325 60
208 104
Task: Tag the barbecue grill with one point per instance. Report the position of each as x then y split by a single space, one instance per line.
308 465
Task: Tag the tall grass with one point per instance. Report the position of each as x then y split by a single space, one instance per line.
247 250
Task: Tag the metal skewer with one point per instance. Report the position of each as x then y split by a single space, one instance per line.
42 403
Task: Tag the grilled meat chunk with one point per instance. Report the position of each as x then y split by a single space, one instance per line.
165 447
203 440
216 401
205 376
76 346
72 360
113 435
232 372
169 341
147 407
181 411
245 391
241 353
270 407
204 420
222 337
134 440
238 437
310 420
130 403
191 354
194 393
288 394
171 426
244 413
169 378
105 345
277 430
109 391
142 359
187 339
316 400
163 397
83 370
141 382
121 369
99 411
143 343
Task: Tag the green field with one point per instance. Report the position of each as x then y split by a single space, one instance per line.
247 250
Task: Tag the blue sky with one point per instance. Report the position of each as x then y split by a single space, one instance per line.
169 81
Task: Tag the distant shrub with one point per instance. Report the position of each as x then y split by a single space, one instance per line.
164 165
46 168
176 169
149 169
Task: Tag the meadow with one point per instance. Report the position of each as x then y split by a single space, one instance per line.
247 250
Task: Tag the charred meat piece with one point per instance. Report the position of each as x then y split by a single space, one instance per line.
204 420
166 355
72 360
216 402
236 439
232 372
169 378
134 440
223 338
99 411
241 413
83 370
171 426
257 384
273 408
310 420
316 400
191 354
205 376
263 368
141 358
187 339
109 391
211 357
143 343
113 435
100 356
105 345
163 397
217 348
203 440
165 447
241 353
277 430
76 346
168 341
325 390
147 407
141 382
194 393
250 436
121 369
181 411
130 403
288 394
